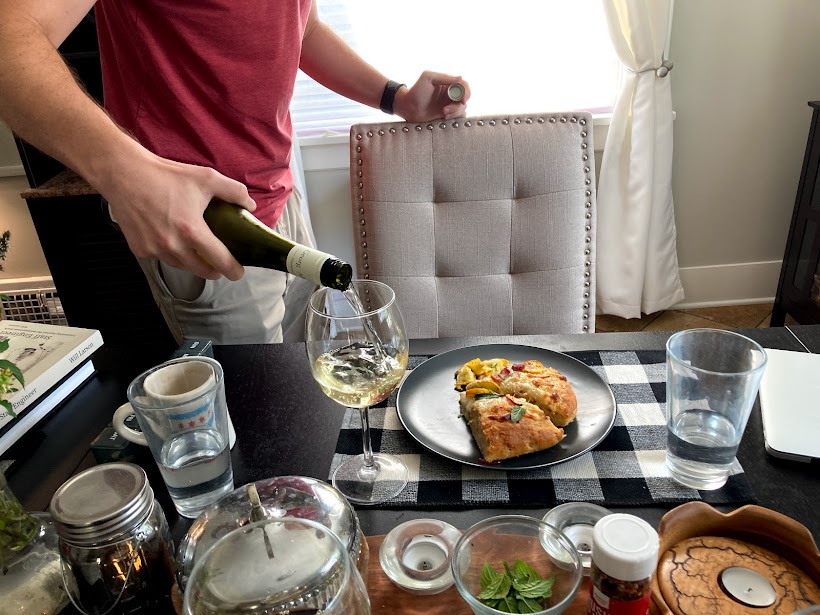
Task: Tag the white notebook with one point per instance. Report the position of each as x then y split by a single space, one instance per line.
790 404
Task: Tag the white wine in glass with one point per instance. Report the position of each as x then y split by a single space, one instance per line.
358 351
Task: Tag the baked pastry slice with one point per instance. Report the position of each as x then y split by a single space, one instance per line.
543 386
504 426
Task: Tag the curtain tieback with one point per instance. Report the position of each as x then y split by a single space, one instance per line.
660 71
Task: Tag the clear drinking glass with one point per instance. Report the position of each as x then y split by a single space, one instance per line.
358 350
180 406
712 378
272 566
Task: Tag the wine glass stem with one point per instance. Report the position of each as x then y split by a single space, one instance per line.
367 446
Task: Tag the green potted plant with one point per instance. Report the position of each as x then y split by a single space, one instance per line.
17 527
31 578
11 378
5 238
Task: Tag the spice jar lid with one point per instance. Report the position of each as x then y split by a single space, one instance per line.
101 503
625 547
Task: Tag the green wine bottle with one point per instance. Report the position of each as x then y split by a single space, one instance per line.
255 245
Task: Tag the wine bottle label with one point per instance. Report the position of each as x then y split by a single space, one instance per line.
307 263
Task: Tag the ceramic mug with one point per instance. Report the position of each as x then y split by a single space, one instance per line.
180 387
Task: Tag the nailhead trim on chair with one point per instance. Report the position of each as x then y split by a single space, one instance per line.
504 122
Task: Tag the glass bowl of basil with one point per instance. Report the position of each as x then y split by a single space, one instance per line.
501 565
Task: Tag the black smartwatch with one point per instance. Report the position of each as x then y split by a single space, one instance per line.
389 94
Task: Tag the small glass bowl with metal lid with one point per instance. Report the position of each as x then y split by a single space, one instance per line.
273 498
115 547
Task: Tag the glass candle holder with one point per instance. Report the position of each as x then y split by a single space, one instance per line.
416 555
576 521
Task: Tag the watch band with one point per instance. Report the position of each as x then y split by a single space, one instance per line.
388 95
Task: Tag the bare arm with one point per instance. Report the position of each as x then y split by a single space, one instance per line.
158 203
41 101
331 62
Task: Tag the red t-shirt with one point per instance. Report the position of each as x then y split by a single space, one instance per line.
208 82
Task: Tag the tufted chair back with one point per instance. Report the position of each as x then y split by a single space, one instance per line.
481 225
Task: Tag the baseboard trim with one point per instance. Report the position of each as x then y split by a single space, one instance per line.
735 284
18 284
712 286
12 170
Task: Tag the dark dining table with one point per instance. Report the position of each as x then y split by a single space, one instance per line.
286 426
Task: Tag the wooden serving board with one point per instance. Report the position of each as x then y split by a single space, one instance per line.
389 599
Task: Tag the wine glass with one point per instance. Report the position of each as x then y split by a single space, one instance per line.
289 565
358 350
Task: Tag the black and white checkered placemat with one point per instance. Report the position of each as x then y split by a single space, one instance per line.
627 469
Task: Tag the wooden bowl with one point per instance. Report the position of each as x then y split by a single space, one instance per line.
697 543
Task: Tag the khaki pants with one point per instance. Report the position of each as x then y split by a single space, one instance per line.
265 306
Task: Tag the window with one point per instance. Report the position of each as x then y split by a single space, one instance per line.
521 56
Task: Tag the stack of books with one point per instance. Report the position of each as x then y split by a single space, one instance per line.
55 362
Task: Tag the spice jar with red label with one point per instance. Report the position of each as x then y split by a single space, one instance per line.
624 558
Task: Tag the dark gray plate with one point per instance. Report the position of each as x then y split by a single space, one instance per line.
428 408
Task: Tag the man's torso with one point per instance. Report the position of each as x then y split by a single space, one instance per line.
208 82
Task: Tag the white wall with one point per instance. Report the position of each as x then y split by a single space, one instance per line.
25 258
744 71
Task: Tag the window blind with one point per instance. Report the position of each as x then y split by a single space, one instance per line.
526 56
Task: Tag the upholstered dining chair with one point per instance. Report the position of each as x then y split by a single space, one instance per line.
481 225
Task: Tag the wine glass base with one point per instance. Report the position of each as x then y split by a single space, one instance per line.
363 485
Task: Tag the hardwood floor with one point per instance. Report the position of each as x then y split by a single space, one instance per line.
725 317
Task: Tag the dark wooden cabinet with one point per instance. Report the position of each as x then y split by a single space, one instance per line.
798 292
98 279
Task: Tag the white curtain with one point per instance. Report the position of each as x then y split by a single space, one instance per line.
637 262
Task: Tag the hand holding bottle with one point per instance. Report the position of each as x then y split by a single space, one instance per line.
427 99
256 245
159 203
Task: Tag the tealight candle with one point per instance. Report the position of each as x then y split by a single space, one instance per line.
424 556
581 536
747 587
